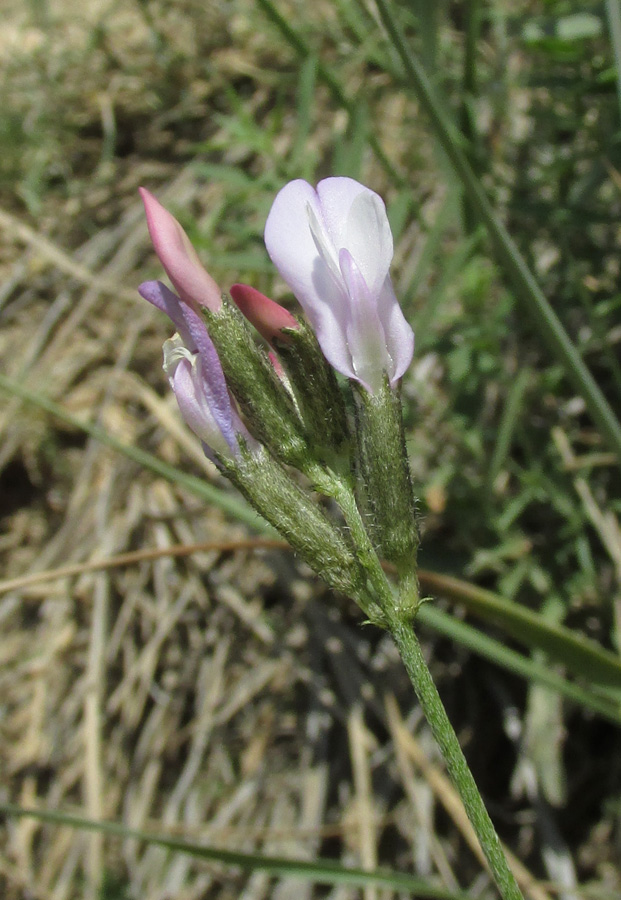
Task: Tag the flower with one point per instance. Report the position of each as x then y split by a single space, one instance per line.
333 246
196 377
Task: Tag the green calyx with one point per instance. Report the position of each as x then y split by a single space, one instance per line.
295 514
270 412
384 485
317 393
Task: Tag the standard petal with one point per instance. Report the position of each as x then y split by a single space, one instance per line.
356 220
369 239
289 241
177 255
336 196
293 250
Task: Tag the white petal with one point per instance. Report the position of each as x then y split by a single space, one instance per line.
185 382
365 334
399 335
289 240
369 239
356 220
351 305
324 246
310 275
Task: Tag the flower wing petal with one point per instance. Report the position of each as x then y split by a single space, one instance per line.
399 334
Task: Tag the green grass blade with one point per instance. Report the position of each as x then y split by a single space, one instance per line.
452 267
581 656
525 285
508 659
613 14
349 153
322 871
473 15
508 423
431 248
307 87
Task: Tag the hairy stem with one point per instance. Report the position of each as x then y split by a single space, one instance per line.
411 653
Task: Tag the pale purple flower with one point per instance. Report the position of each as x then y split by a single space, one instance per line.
196 377
333 246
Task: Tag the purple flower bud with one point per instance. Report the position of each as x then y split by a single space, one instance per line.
196 377
333 246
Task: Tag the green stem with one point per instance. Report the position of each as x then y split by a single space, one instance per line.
427 693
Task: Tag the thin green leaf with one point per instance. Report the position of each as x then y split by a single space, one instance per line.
323 871
580 655
524 666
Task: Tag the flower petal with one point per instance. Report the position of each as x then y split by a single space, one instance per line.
293 250
186 381
163 299
333 247
365 335
399 335
356 220
289 241
193 388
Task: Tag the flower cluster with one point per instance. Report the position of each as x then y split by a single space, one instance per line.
259 410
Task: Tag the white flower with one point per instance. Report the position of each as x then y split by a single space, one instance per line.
333 246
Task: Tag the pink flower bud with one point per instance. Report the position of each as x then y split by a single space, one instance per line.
268 317
178 257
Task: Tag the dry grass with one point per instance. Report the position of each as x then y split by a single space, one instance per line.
225 695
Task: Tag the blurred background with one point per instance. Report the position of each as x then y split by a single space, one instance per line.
223 694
